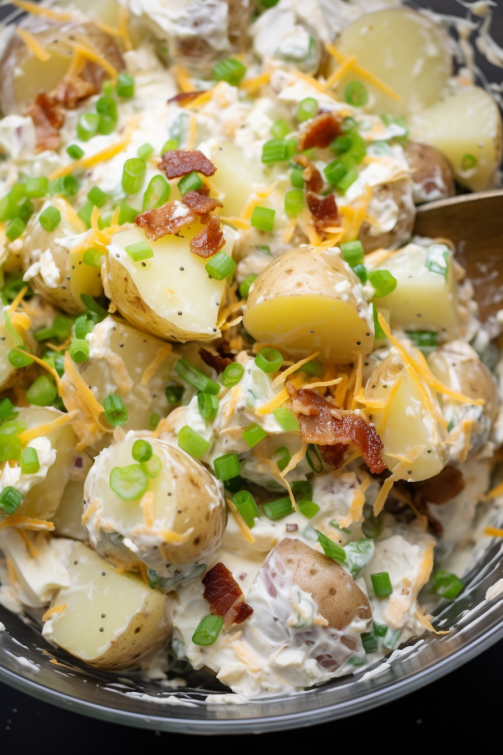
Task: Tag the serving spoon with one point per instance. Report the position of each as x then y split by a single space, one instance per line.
474 223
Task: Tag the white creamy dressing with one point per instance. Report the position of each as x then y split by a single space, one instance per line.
13 476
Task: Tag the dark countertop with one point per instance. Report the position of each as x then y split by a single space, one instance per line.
424 718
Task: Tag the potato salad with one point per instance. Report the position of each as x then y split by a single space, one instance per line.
248 420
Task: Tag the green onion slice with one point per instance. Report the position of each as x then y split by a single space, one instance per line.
10 500
286 419
247 507
269 360
253 434
195 377
226 467
263 218
41 392
307 109
207 631
381 584
115 411
129 483
230 70
278 509
153 466
142 450
133 175
157 193
192 443
331 549
232 374
220 266
207 404
313 458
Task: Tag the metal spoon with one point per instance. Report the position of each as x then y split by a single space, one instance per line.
474 223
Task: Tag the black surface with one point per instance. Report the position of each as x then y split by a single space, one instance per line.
466 702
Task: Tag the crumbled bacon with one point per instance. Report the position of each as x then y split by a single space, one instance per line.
210 240
225 596
323 209
333 455
201 203
327 425
442 488
48 117
319 132
310 174
183 98
71 90
214 360
180 162
164 220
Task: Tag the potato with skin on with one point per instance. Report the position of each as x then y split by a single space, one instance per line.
408 51
406 419
431 173
55 271
310 300
180 526
107 618
237 172
68 518
394 203
171 294
425 297
467 129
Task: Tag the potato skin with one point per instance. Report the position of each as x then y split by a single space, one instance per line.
431 173
337 595
400 193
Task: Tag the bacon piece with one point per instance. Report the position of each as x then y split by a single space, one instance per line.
319 132
180 162
214 360
164 220
183 98
72 90
201 203
310 174
225 596
327 425
210 240
323 209
442 488
48 117
333 455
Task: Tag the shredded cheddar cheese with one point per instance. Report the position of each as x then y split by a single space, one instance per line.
81 386
391 394
94 56
245 530
170 536
48 427
39 10
90 510
253 85
355 512
161 355
296 459
340 72
33 45
426 623
364 73
283 375
53 611
29 544
494 492
493 532
183 79
19 522
46 366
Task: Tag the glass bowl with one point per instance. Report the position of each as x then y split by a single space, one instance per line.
31 665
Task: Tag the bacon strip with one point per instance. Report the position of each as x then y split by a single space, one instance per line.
183 98
201 203
333 455
180 162
225 596
210 240
310 174
71 90
48 117
319 132
164 220
323 209
327 425
214 360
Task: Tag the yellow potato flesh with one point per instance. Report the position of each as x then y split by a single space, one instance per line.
84 279
7 371
303 324
236 173
422 300
464 126
406 50
35 75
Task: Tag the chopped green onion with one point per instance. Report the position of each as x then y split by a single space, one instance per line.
352 251
468 162
64 185
17 359
174 393
361 272
294 200
378 331
220 266
127 214
153 578
75 152
15 229
313 367
133 175
369 642
153 466
60 329
156 194
392 638
263 218
358 148
125 85
381 584
232 374
284 458
25 211
37 187
139 251
291 147
286 419
278 509
195 377
335 172
208 405
169 146
87 126
269 360
115 411
96 312
50 218
81 328
106 105
308 509
41 392
79 350
358 555
6 408
348 180
307 109
246 506
341 144
190 182
264 249
85 213
230 70
296 178
446 585
207 631
244 287
302 490
106 124
437 260
235 484
355 94
12 427
226 466
10 500
253 434
280 129
30 463
97 197
153 421
274 151
11 329
142 450
423 339
355 661
313 458
266 4
10 447
129 483
192 443
383 282
389 120
380 630
93 258
331 549
145 151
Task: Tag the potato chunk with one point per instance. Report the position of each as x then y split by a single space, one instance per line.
408 51
237 172
467 129
308 301
171 295
109 619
